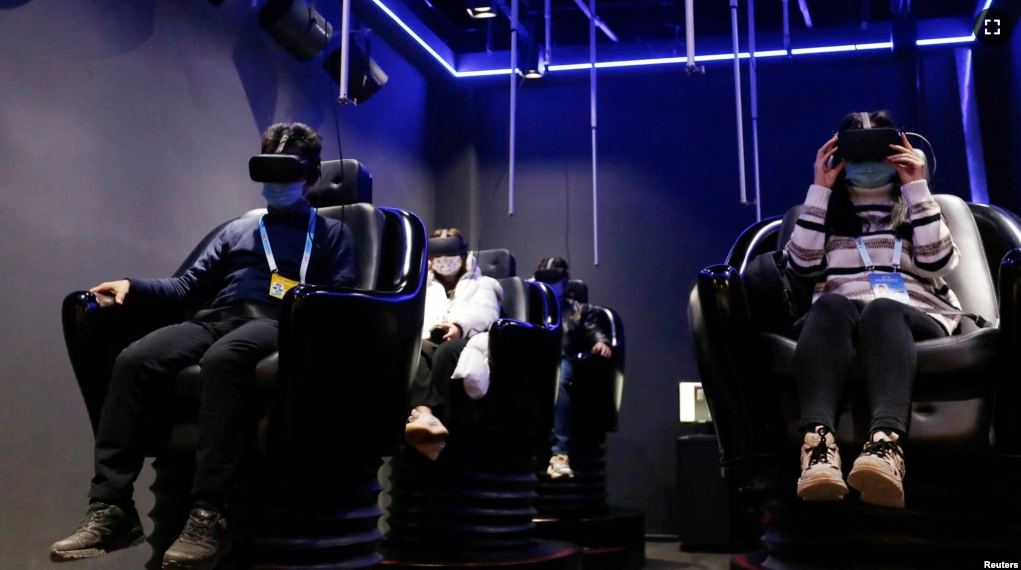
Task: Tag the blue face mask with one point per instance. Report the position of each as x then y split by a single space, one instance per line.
282 196
869 174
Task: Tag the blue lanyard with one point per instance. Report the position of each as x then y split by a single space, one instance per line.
898 244
308 244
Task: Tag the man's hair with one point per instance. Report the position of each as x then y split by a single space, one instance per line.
300 136
558 263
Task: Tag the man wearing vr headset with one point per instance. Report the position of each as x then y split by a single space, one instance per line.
238 276
875 241
582 333
460 306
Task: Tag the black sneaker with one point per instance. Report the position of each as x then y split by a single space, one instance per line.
205 540
104 529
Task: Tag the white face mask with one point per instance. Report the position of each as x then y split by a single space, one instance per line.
446 266
281 196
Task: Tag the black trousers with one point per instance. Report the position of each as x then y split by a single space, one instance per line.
431 386
884 333
142 382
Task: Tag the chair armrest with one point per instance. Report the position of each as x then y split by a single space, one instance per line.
347 358
95 332
1006 419
745 412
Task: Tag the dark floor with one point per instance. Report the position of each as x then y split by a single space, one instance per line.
668 556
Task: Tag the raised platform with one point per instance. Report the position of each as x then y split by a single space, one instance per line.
544 555
612 541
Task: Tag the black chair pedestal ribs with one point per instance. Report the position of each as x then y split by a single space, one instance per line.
963 451
474 505
307 493
576 510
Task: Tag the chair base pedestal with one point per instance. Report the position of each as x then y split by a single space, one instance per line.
611 541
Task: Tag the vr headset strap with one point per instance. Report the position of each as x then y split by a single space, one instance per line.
866 123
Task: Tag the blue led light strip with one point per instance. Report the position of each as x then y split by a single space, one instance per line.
669 60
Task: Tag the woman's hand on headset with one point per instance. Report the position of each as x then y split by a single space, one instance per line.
908 165
824 175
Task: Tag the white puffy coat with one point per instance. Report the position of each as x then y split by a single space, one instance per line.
474 306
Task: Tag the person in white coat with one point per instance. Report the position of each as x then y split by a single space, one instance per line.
460 306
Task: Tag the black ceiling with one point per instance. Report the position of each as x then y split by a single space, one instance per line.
651 20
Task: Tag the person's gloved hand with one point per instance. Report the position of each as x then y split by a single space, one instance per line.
602 349
116 289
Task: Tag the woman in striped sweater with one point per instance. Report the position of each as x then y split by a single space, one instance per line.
877 243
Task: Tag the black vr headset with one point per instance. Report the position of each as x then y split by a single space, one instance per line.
867 143
551 275
283 168
447 246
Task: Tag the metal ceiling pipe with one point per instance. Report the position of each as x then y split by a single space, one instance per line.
549 34
803 4
786 28
592 92
754 87
737 98
345 45
513 99
591 13
689 29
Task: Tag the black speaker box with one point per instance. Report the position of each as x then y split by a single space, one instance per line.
365 77
295 27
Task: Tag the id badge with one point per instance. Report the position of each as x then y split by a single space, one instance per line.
278 285
890 286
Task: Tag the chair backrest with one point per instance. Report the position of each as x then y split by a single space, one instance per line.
515 304
971 281
496 263
577 290
339 195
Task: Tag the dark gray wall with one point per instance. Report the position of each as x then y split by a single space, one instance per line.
125 130
668 204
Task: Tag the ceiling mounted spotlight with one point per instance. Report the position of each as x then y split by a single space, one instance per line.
537 65
480 8
365 77
296 27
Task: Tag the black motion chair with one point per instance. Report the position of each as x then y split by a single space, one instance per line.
474 506
576 510
308 497
963 451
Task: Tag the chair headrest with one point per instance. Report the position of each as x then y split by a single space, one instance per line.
577 290
496 263
343 182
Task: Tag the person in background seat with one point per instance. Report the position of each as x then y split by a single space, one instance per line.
460 306
875 240
582 333
240 277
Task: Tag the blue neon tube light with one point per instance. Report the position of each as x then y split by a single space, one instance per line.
669 60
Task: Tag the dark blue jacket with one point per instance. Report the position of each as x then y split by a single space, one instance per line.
233 268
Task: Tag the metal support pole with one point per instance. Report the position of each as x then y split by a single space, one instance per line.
689 38
345 44
595 169
737 98
786 28
549 35
513 97
754 87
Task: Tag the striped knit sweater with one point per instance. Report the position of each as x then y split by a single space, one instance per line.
926 258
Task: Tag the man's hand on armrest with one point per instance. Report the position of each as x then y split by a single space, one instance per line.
601 349
116 290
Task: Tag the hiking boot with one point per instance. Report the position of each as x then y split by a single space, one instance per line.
879 471
821 478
